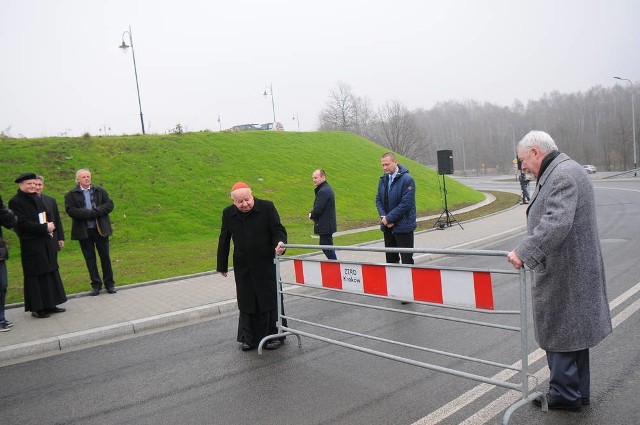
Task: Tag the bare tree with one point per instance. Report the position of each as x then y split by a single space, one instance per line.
340 111
594 127
397 128
345 111
365 118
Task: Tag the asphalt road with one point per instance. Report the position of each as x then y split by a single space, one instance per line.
196 374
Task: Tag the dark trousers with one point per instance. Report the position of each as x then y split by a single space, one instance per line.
89 246
525 192
569 375
398 240
3 287
327 239
252 327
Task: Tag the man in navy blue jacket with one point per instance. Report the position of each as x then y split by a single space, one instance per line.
396 204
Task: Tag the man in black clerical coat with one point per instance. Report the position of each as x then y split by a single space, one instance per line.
254 226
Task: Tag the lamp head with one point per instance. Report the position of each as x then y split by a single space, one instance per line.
124 46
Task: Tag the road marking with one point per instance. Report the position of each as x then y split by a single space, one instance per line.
497 406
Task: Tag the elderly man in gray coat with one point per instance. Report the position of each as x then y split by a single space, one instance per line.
570 307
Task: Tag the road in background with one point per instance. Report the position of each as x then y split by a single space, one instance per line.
196 374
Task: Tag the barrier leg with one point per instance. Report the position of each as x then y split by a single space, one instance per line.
515 406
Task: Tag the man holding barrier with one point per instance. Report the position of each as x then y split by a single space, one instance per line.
562 247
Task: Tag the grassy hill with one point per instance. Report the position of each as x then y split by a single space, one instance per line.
169 192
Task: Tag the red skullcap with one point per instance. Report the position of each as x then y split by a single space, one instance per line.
240 185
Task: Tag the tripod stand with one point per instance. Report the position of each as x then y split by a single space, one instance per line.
449 218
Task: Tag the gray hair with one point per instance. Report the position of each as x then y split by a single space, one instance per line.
80 171
538 139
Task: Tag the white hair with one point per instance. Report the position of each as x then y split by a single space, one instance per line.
538 139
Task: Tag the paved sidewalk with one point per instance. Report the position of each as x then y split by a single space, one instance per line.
149 305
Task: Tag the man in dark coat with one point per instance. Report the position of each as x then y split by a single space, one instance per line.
7 220
524 186
43 289
323 213
570 307
396 204
254 226
89 206
53 214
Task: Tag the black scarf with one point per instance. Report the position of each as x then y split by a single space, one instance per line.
546 161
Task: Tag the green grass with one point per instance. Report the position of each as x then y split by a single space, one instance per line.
169 192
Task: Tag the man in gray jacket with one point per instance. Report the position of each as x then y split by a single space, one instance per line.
562 247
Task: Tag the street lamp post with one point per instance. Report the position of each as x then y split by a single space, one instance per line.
633 125
515 150
124 48
297 120
273 105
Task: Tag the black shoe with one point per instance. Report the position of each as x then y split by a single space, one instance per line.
111 290
94 292
273 344
586 401
56 310
246 347
40 314
404 302
559 403
8 323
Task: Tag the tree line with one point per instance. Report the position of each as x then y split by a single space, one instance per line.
594 127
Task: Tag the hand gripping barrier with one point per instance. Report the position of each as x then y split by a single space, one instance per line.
455 289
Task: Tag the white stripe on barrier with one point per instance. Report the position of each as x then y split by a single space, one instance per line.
399 283
459 288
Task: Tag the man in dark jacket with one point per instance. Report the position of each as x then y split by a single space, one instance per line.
8 220
254 225
524 185
396 204
323 213
43 289
89 206
53 214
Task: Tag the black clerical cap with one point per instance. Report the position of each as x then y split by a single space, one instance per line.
25 176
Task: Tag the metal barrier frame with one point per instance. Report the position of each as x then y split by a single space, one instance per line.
522 385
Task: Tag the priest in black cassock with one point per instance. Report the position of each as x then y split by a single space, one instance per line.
43 289
258 236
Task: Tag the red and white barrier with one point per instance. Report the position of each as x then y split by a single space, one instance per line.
452 287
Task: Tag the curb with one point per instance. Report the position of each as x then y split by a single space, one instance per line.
74 339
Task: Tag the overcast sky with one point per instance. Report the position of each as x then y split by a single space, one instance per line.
61 71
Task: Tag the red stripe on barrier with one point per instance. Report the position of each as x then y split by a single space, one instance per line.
427 285
331 275
297 265
375 280
483 290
